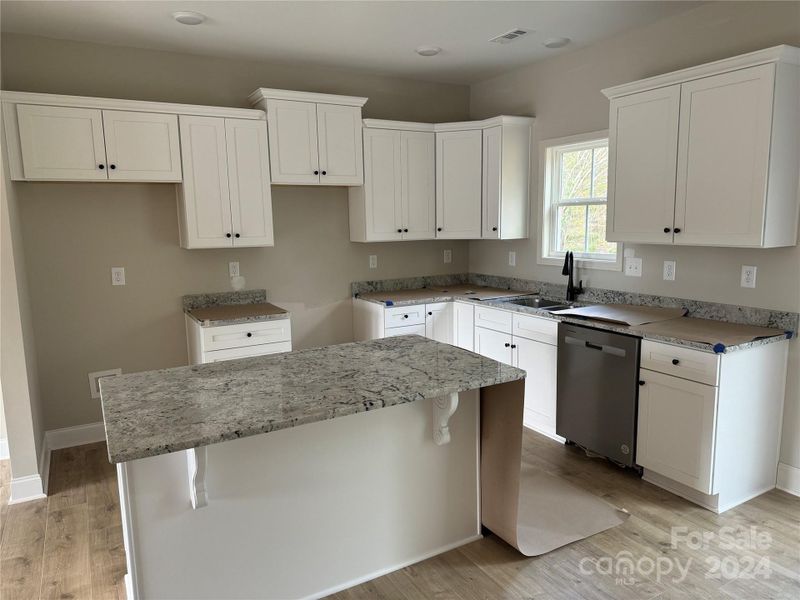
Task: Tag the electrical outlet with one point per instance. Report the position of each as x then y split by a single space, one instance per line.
512 259
748 276
233 269
373 261
448 256
94 388
669 270
117 275
633 267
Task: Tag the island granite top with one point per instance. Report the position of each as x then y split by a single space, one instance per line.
158 412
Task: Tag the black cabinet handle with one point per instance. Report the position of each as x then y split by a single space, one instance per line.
112 166
430 314
316 172
324 172
507 345
101 167
675 361
227 235
494 228
667 229
249 334
438 229
237 235
677 230
641 382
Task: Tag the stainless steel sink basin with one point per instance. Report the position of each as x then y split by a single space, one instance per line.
540 303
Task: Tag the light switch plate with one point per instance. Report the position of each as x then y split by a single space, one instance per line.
512 259
373 261
633 267
448 256
117 275
669 270
748 276
94 389
233 269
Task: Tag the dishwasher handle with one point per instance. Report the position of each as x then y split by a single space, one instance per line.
613 350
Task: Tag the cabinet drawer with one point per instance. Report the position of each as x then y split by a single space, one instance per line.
538 329
491 318
686 363
246 334
400 316
246 351
406 330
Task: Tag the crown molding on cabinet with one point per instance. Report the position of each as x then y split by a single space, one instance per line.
485 124
269 93
784 54
129 105
397 125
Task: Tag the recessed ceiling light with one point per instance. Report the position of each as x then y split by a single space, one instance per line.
187 17
556 42
428 50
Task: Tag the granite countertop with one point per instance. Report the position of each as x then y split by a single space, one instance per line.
157 412
440 293
231 314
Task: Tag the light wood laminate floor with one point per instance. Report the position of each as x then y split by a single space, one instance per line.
70 545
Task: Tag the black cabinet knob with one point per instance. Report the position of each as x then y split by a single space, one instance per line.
507 345
316 172
405 316
237 235
677 230
249 334
227 235
399 231
641 382
101 167
112 166
667 229
494 228
324 172
405 230
430 314
675 361
438 229
513 345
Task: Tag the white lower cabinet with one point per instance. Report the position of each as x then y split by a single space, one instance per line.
439 322
405 330
464 325
494 344
539 361
214 343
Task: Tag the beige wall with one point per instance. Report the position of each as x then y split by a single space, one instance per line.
564 95
74 233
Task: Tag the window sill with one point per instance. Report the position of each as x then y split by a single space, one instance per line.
583 263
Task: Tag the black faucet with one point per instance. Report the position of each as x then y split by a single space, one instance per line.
569 267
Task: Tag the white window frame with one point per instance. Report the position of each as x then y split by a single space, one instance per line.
545 254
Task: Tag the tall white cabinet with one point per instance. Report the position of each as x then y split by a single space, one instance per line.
314 139
397 200
708 156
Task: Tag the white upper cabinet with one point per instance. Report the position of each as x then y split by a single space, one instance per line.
459 163
142 146
397 200
314 139
225 199
61 143
708 156
643 142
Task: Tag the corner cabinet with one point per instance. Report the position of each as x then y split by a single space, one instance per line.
397 200
708 156
225 199
314 139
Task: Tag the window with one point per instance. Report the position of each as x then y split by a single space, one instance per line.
574 176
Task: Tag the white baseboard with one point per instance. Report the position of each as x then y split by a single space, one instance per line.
788 479
75 436
4 450
387 570
44 464
25 489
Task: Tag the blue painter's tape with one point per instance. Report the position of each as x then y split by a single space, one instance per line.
719 348
388 302
789 335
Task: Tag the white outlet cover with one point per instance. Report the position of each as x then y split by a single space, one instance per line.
628 253
512 259
233 269
448 256
748 276
669 270
94 389
633 267
373 261
117 275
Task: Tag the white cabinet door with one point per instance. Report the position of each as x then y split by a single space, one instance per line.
676 430
62 143
493 344
439 322
723 158
204 194
492 181
458 184
249 183
341 160
293 141
643 149
464 325
418 185
142 146
406 330
539 361
382 188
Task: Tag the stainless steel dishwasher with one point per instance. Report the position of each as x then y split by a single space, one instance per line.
598 390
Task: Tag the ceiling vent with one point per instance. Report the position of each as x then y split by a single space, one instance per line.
510 36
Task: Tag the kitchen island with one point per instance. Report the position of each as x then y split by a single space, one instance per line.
212 508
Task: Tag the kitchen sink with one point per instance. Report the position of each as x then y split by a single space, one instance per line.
540 303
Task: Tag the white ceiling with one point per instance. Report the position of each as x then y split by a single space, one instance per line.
379 37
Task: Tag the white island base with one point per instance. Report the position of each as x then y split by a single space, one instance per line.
306 511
